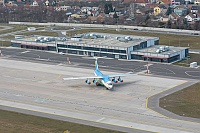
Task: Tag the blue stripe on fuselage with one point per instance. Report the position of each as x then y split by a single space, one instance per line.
105 77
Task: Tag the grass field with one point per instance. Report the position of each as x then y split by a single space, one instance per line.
62 28
42 33
164 39
186 62
12 122
15 28
185 102
4 44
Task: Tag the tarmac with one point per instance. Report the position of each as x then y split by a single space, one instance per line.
37 87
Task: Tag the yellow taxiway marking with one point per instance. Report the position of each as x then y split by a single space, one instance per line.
161 92
103 115
150 89
9 71
78 111
160 107
90 113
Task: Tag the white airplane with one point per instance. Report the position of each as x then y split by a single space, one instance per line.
101 79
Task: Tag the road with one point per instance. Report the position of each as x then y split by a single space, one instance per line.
149 29
5 28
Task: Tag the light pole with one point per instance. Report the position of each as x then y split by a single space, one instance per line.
0 47
56 46
148 62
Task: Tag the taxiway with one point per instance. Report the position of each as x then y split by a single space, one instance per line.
157 69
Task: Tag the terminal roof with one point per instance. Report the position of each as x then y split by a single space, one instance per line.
161 49
100 39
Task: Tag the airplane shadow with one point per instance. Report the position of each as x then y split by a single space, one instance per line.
117 86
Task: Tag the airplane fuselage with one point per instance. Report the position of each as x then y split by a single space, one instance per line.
101 79
105 80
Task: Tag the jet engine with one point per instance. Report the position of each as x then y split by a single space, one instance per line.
120 79
87 81
114 80
95 82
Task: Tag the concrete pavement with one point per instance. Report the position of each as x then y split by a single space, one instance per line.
40 88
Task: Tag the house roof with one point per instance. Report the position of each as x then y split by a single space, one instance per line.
94 12
174 15
191 15
166 1
198 14
180 7
92 18
92 0
73 11
136 1
163 6
173 6
101 15
194 8
181 1
14 3
152 5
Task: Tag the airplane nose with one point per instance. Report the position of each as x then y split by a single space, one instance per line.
111 86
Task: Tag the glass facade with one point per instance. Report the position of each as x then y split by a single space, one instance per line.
140 46
122 56
72 51
51 48
143 45
156 59
137 57
156 42
174 58
31 47
91 48
15 44
186 52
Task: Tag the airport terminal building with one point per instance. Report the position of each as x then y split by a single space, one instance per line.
105 45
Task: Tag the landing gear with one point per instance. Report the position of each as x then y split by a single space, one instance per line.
87 81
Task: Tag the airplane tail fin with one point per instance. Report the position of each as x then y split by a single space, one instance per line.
96 63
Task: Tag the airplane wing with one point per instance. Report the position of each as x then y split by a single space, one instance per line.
121 75
89 77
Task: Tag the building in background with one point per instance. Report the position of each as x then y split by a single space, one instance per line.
105 45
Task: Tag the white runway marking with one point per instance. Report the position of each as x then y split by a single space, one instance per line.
98 58
192 72
169 70
100 119
125 106
148 65
25 52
